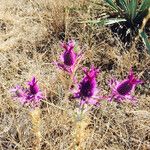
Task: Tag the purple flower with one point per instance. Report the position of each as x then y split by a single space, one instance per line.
34 89
69 57
87 88
123 90
30 96
34 93
19 93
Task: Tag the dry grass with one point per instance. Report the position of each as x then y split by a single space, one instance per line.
30 32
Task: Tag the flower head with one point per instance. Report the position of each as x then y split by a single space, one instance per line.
34 93
34 89
69 57
123 90
87 88
30 96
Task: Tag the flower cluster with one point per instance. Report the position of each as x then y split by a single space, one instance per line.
86 91
29 96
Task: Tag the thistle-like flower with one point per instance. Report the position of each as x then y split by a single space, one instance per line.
123 90
33 91
30 96
69 57
87 88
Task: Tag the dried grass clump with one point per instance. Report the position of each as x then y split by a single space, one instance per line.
30 32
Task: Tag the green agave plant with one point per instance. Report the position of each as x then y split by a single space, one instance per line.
130 10
134 14
126 19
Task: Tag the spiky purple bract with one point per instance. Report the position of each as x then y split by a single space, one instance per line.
30 96
34 89
123 90
34 94
69 57
87 88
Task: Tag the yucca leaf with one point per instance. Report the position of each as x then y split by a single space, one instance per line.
113 20
145 5
122 4
103 22
145 40
143 10
112 4
132 9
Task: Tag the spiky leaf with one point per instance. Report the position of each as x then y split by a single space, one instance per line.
105 21
145 40
112 4
122 4
145 5
132 9
143 10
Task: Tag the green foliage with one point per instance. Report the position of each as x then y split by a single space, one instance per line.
145 40
129 14
134 15
129 9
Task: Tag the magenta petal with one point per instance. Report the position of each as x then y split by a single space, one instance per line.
31 96
87 87
68 58
92 101
123 90
33 86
